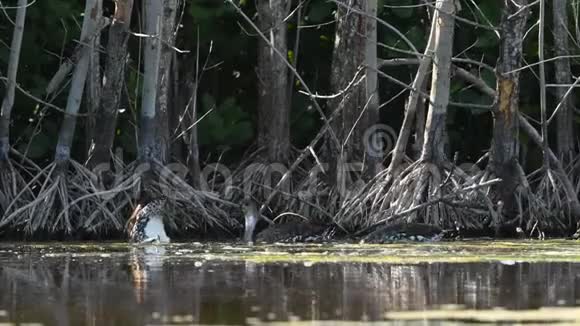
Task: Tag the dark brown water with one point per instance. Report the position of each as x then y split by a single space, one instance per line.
184 284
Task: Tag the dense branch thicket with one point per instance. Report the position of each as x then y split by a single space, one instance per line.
307 106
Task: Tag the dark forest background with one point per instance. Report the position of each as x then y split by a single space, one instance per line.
217 47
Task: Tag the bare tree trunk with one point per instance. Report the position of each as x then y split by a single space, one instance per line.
414 100
114 78
168 40
94 83
8 101
374 161
178 103
504 146
435 147
565 115
193 157
420 116
273 108
149 147
185 115
11 182
67 129
542 81
534 136
351 52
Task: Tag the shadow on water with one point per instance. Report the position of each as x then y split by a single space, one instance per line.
116 284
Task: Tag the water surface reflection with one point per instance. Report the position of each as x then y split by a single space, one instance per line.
121 285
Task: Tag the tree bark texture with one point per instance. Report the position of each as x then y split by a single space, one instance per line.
94 83
414 100
67 129
435 146
374 161
114 79
176 109
273 104
8 101
504 146
565 115
193 154
349 56
149 146
167 36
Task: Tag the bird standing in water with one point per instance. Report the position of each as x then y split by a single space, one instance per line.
146 223
285 232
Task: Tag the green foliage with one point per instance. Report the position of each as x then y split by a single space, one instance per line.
402 14
126 139
320 11
39 146
216 22
490 11
486 39
205 11
404 8
303 120
416 35
488 77
226 125
229 82
51 27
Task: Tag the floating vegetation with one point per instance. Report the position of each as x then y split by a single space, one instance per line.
506 252
542 315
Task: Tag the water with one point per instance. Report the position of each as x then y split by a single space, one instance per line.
185 284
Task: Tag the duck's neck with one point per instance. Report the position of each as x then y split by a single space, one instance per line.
251 218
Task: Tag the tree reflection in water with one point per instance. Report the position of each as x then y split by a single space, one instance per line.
133 288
